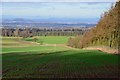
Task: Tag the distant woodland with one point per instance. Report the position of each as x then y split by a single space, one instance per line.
30 32
106 32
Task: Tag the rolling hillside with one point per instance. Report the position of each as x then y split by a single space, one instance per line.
49 61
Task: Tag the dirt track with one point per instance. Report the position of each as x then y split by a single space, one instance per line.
63 45
104 49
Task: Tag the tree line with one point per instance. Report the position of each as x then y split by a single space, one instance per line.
30 32
106 32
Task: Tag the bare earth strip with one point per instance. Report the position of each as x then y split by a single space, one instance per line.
62 45
104 49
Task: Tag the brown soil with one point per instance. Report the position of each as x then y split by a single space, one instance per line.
104 49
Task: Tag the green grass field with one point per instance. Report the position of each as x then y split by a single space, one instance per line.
37 61
15 42
33 49
50 39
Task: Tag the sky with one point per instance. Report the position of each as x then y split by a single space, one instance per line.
55 11
59 0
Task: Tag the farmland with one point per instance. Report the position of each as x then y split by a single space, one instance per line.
51 39
53 59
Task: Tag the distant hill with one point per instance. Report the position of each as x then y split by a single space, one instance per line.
21 22
106 32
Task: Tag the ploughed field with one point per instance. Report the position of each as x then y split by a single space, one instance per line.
32 60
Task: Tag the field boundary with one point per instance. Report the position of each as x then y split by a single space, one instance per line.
63 45
103 49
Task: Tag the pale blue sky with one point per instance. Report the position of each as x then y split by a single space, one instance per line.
51 10
59 0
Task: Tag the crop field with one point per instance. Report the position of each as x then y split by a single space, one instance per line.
55 61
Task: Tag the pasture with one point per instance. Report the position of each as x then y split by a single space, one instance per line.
50 39
15 42
55 61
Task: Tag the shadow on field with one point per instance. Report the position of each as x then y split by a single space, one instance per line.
61 64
